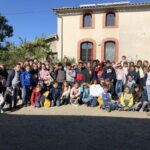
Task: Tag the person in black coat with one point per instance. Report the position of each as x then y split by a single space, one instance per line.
109 72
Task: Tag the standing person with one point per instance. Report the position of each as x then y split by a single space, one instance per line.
148 84
27 84
13 82
86 74
125 68
140 72
43 76
145 64
95 69
79 73
123 60
109 72
61 75
121 79
70 75
35 73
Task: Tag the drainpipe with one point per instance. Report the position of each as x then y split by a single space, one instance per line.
62 38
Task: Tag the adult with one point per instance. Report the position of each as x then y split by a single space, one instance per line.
13 82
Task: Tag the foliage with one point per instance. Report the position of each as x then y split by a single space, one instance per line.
14 54
5 29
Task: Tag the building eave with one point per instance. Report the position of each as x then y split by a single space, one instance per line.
101 7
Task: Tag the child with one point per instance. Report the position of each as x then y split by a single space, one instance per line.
106 100
79 73
95 91
75 94
65 93
109 72
137 95
130 83
70 75
126 100
55 95
121 79
61 75
27 84
144 101
132 72
123 60
85 91
125 68
111 88
36 95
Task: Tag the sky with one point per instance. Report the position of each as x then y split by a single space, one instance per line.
35 18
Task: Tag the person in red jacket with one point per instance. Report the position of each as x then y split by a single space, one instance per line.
36 95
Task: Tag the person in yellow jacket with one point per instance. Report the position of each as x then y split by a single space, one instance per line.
126 100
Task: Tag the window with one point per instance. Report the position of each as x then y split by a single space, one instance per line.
110 19
86 51
109 51
87 20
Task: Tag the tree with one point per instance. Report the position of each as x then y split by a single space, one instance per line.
5 29
27 50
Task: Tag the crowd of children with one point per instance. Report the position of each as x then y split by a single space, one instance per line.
123 86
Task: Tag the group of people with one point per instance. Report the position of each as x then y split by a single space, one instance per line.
123 86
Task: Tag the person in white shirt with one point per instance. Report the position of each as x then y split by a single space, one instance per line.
95 91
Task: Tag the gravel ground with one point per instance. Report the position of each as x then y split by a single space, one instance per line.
73 128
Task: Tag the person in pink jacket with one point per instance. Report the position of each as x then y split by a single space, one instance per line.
121 79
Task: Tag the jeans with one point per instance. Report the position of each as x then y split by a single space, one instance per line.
148 92
91 100
26 94
55 103
119 85
15 95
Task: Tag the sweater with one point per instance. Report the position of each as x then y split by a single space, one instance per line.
109 72
11 77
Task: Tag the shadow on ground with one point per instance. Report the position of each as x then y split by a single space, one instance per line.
19 132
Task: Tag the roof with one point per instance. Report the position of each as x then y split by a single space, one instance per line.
51 37
102 6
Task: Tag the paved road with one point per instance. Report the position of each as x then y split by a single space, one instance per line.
74 128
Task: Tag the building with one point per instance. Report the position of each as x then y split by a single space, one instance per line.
104 31
52 52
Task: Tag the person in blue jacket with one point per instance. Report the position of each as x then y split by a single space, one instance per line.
27 84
